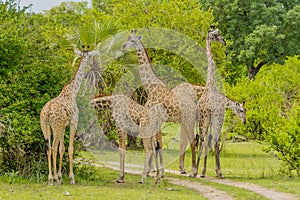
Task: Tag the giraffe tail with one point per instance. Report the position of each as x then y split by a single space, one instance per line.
47 145
197 127
210 137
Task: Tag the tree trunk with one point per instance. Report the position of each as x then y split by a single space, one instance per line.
252 70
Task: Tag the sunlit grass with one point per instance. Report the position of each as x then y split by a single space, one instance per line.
240 162
103 186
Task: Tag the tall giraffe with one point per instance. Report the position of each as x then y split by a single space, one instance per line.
178 106
239 110
60 112
212 103
132 117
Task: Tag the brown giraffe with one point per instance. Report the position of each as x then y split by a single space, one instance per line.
179 107
132 117
60 112
212 103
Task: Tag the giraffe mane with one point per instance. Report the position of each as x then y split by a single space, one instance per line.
74 74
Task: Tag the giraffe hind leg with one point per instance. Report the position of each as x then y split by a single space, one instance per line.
48 150
48 153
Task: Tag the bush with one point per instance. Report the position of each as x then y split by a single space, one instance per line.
273 104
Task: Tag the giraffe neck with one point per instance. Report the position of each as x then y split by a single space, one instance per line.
72 88
147 74
210 82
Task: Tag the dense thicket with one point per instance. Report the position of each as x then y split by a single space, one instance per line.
35 63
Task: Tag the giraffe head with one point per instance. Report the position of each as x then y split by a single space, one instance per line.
240 111
132 40
85 53
214 35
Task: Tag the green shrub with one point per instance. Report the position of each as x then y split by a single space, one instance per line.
272 102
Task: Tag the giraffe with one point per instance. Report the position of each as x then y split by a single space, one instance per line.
212 103
239 110
60 112
132 117
178 106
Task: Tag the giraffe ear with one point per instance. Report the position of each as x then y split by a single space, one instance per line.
92 53
78 53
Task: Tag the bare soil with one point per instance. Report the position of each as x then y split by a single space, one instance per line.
208 191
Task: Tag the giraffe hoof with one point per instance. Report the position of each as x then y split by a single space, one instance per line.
120 181
193 175
72 182
183 172
220 176
202 176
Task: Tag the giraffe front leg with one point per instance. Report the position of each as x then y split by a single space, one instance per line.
150 165
148 154
61 153
122 152
73 128
204 125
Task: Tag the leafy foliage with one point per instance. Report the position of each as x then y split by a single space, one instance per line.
262 32
272 102
35 63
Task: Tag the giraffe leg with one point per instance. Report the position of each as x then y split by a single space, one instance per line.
194 164
47 133
54 155
204 161
188 129
150 166
61 153
217 158
218 128
155 155
122 152
159 153
148 154
203 126
183 145
73 128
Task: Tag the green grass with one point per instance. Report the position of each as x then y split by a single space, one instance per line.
103 186
242 162
247 162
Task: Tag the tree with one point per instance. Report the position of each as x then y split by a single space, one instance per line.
262 32
33 69
184 17
273 102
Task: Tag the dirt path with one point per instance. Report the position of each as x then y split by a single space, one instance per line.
205 191
266 192
208 191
